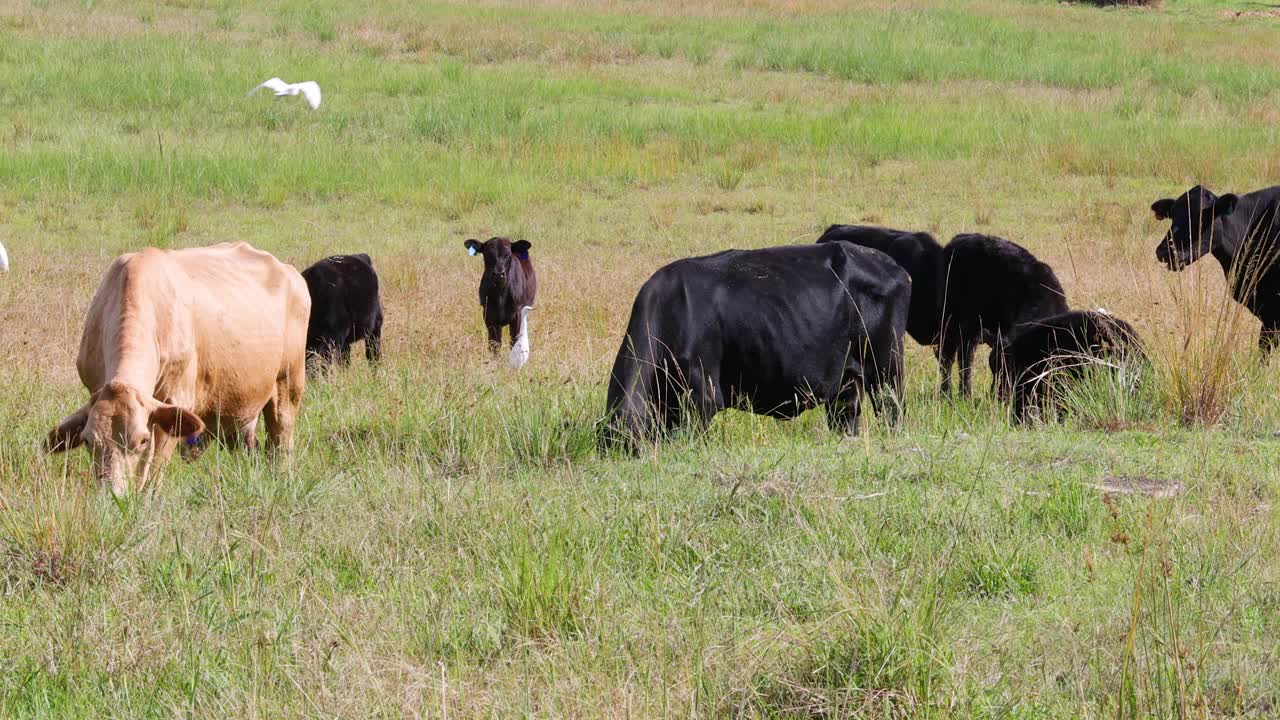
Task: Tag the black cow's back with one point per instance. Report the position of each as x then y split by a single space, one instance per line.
346 308
776 330
916 252
997 282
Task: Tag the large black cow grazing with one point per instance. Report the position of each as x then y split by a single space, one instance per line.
917 253
508 284
345 308
773 331
1241 233
1032 365
989 287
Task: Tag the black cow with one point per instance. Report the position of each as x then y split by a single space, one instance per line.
917 253
1032 363
989 287
981 285
1242 235
773 331
508 284
345 308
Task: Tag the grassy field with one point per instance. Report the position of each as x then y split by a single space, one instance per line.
447 541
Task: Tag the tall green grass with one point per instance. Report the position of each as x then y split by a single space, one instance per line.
475 135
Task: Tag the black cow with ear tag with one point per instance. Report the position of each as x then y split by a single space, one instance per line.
508 284
1242 234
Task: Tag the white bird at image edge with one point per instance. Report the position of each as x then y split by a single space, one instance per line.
4 259
520 351
309 90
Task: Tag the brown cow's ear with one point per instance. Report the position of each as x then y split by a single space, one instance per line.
1162 208
176 422
521 247
69 435
472 246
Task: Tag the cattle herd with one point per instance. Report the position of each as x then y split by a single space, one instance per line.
182 345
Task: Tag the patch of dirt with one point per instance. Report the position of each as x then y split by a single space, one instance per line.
1151 487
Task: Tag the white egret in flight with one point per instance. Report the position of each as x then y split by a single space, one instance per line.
309 90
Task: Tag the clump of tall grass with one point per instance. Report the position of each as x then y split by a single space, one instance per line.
993 572
546 584
544 431
876 662
1113 394
161 219
1070 511
1162 663
1204 371
58 529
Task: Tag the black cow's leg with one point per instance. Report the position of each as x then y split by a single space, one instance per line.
1020 403
515 329
967 348
886 396
1268 339
946 351
844 412
328 352
344 354
495 338
666 396
373 342
704 402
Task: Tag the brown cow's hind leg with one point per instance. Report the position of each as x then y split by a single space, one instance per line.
282 412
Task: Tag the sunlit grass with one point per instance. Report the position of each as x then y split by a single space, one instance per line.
450 540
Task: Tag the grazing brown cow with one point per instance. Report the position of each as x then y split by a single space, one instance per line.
508 284
177 340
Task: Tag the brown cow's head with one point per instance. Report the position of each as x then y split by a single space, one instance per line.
498 254
120 425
